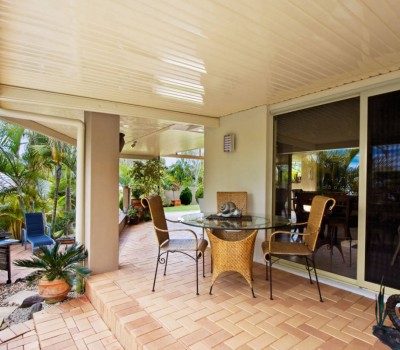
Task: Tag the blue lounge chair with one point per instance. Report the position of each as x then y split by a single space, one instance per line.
35 232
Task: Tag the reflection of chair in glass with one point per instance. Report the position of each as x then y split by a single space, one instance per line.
340 218
167 244
397 250
305 248
301 203
281 197
36 233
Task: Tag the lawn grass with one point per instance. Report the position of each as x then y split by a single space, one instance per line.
181 208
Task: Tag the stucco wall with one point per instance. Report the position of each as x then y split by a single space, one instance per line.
241 170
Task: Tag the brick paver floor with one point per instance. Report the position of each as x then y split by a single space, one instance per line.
124 313
174 317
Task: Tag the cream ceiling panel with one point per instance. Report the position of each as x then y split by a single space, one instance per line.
201 58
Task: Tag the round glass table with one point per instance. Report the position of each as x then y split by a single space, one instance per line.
232 240
245 222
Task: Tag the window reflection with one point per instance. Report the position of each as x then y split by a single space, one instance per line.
317 153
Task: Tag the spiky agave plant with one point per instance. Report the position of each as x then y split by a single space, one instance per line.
380 310
53 263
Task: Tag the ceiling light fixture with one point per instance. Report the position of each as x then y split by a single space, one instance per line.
133 144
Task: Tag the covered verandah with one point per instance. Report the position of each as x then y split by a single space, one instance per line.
174 317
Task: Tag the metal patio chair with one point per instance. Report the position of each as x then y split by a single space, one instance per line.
167 243
304 248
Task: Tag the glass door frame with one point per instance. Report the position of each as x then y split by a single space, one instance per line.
364 92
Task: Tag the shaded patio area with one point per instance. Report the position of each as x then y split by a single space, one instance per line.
173 317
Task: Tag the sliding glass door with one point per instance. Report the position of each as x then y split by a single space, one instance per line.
382 248
316 152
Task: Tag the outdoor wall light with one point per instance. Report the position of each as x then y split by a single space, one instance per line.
229 143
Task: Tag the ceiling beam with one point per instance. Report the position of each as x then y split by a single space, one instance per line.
41 129
46 98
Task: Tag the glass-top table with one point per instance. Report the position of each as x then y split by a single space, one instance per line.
245 222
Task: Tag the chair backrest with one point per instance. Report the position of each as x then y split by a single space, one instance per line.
34 224
342 207
281 197
239 198
154 203
318 207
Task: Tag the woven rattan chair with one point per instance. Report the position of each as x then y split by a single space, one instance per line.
167 244
305 248
239 198
232 251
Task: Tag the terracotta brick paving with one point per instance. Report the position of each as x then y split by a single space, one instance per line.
173 317
123 313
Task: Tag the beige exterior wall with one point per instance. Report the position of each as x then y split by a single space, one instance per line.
101 191
241 170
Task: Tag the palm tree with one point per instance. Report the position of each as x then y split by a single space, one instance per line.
11 216
20 167
58 154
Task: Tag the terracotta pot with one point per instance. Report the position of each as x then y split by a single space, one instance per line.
136 203
53 291
176 202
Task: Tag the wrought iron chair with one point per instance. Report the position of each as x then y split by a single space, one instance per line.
167 244
340 218
35 232
304 248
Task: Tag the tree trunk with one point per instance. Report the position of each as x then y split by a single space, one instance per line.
58 179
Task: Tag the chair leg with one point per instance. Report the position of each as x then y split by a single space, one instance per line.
308 270
266 270
197 276
270 277
165 267
316 278
203 266
155 275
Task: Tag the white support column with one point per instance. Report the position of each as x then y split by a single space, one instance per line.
126 198
101 191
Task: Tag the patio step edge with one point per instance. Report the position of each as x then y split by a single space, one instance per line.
129 322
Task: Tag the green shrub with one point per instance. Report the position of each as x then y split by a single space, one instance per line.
186 196
199 193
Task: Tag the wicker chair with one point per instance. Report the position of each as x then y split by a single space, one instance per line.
167 244
233 250
239 198
306 247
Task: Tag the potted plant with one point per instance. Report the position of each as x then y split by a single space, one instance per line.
133 217
137 193
56 270
199 194
175 187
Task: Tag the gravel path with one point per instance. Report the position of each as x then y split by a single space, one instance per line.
21 314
